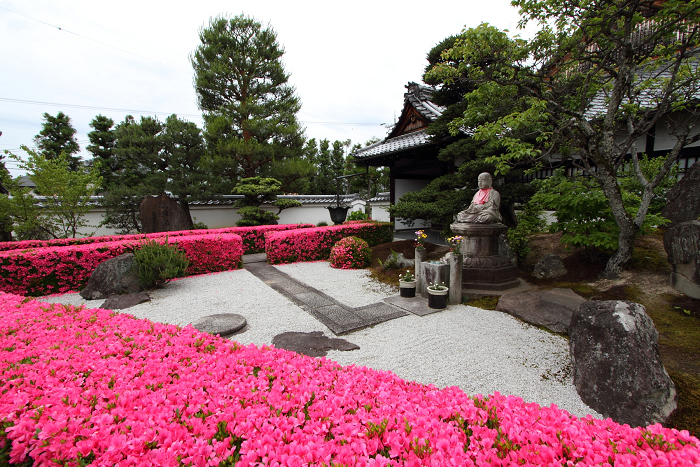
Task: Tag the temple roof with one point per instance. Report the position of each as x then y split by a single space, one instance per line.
409 132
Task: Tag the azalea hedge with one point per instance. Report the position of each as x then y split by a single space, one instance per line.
315 243
42 271
89 386
253 237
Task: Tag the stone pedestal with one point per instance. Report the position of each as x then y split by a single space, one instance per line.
420 256
431 272
456 261
483 267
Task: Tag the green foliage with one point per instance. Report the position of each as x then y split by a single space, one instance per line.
583 212
257 190
378 176
66 198
530 221
249 109
294 174
357 216
155 263
391 263
149 157
102 142
56 138
329 162
592 81
322 224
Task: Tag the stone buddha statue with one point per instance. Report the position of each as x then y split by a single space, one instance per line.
484 206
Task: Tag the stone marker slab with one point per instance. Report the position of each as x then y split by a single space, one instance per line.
222 324
378 312
549 308
120 302
313 344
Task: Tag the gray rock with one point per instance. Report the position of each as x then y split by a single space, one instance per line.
163 214
222 324
549 308
683 200
112 277
400 262
119 302
617 366
313 344
549 267
682 244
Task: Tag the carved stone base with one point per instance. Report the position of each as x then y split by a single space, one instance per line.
483 267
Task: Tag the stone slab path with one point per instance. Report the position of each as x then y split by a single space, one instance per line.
339 318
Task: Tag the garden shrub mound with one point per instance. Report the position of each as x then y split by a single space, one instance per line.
253 237
43 271
315 244
87 385
350 253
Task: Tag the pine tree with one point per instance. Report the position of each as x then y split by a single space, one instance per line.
57 136
249 109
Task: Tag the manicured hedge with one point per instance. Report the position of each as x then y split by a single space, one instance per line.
42 271
89 386
315 244
253 237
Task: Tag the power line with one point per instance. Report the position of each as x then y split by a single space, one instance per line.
149 112
94 40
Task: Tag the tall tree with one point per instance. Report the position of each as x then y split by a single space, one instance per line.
57 136
102 142
66 198
378 176
598 76
152 157
249 108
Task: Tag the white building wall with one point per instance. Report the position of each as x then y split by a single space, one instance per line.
219 216
403 186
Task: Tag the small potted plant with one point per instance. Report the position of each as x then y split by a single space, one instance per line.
421 237
437 295
407 284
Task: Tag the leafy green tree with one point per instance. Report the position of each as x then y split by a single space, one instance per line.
329 161
57 136
66 198
597 76
443 198
102 143
249 108
152 157
257 190
294 174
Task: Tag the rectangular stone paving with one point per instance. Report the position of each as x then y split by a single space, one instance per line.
339 318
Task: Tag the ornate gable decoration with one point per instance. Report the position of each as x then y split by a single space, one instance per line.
415 114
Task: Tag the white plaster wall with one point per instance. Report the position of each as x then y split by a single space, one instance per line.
403 186
216 217
663 140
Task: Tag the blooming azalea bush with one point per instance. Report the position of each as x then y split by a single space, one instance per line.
253 237
315 244
350 253
82 386
42 271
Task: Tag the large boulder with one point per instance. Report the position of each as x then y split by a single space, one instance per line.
549 267
683 200
163 214
112 277
549 308
682 243
617 366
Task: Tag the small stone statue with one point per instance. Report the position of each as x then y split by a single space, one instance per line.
485 204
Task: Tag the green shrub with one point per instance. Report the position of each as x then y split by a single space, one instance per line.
357 216
351 253
391 263
155 263
530 221
322 224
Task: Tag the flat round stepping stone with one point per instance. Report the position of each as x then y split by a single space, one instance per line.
222 324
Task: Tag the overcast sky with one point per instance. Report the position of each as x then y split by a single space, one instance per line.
349 61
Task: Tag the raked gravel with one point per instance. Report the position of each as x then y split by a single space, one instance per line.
480 351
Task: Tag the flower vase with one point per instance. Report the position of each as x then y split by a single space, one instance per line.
408 288
437 298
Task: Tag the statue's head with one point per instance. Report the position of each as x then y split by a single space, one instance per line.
485 181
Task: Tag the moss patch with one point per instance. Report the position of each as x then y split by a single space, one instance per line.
487 302
687 415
